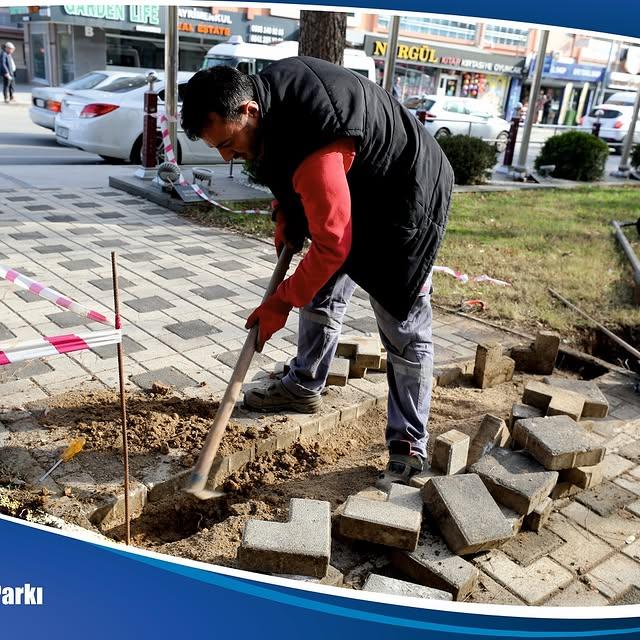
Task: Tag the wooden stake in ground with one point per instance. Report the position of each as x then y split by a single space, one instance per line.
123 403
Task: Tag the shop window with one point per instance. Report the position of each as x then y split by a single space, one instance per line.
453 29
506 36
65 51
39 56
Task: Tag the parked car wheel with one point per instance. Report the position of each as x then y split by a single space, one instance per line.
136 151
112 160
501 141
442 133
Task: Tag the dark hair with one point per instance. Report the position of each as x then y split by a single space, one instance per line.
218 90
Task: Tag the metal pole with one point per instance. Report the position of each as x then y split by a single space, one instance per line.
605 77
171 72
623 169
123 404
631 256
533 97
390 57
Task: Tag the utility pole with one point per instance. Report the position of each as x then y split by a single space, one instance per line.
521 166
390 57
171 73
624 169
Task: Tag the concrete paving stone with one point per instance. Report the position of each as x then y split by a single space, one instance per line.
632 550
39 207
584 477
334 578
109 215
491 366
614 529
79 265
615 576
6 333
493 432
626 412
390 586
538 518
450 452
629 483
528 546
338 372
557 442
192 329
631 596
23 370
141 256
606 499
595 405
633 508
542 396
432 564
488 591
242 243
577 594
394 523
514 479
169 376
215 292
60 218
106 284
67 319
147 305
84 231
174 273
420 479
195 251
52 248
67 196
30 235
111 243
366 325
301 546
229 265
20 198
231 357
467 516
128 344
615 465
533 584
514 519
27 296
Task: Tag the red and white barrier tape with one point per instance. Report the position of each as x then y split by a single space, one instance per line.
24 282
54 345
170 156
464 278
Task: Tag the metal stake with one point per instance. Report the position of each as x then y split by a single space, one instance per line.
123 405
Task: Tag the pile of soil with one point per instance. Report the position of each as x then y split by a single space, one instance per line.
156 422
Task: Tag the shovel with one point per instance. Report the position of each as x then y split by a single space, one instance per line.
200 473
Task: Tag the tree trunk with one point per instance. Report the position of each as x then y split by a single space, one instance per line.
323 35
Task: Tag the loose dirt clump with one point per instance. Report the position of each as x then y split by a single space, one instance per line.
157 422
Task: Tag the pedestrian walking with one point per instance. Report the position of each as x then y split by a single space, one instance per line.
358 174
8 70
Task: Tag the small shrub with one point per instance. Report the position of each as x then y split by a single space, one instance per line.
470 158
635 157
577 155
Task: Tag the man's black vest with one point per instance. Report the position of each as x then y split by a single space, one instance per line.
400 181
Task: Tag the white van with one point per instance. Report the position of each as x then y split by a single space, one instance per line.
253 58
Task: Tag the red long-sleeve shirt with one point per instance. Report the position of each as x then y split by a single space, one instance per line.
321 183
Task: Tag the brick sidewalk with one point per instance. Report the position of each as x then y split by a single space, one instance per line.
186 292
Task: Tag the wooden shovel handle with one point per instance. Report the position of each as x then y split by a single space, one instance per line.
202 468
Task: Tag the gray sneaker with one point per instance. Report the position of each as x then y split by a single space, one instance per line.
276 397
401 467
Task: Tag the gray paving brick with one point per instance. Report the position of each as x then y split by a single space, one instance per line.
394 522
214 292
522 412
39 207
527 546
194 329
111 243
577 594
595 406
147 305
584 477
87 205
67 319
432 564
128 344
241 243
381 584
142 256
106 284
165 237
27 296
52 248
606 498
450 452
467 516
22 370
301 546
32 235
67 196
614 530
60 218
229 265
491 366
615 576
536 520
195 251
6 333
109 215
174 273
79 265
155 211
366 325
20 198
515 479
169 376
493 432
557 442
84 231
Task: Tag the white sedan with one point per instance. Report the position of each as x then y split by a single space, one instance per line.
47 101
109 123
448 115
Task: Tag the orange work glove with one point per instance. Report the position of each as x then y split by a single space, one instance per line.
271 316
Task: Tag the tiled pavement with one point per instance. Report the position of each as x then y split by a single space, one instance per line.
186 291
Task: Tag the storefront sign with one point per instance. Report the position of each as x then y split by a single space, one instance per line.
265 34
569 71
135 13
446 57
203 22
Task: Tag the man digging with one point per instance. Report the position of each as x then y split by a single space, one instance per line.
357 173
